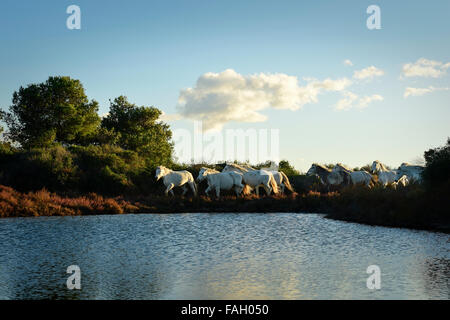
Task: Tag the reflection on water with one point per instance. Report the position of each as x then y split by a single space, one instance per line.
218 256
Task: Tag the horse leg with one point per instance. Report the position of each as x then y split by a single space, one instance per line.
169 188
218 192
192 185
241 188
268 189
238 190
257 191
184 189
207 190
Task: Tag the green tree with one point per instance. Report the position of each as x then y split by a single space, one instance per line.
57 110
140 130
437 168
287 168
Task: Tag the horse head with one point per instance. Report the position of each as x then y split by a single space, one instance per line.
376 166
202 174
161 171
312 171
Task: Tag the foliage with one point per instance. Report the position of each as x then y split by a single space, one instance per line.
104 169
287 168
107 169
44 203
139 130
57 110
437 169
33 169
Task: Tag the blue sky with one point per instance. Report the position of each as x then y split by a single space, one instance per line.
151 50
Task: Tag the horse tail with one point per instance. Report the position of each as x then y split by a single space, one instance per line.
372 179
286 182
195 187
273 184
194 184
247 189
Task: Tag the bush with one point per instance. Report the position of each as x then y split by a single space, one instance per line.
50 167
107 169
437 169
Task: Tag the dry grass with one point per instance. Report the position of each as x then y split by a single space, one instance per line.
44 203
411 207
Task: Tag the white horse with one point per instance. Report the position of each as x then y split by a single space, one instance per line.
282 181
173 179
403 182
280 177
322 173
385 176
413 172
254 178
221 180
357 177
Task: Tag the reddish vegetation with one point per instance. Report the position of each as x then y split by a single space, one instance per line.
44 203
410 207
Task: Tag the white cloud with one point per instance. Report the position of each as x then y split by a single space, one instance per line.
227 96
352 100
347 62
425 68
364 101
346 102
368 72
421 91
169 117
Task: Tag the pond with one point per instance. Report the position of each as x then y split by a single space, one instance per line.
218 256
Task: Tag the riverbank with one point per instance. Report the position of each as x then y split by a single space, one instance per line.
410 207
413 207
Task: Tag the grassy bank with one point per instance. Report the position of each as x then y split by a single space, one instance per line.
410 207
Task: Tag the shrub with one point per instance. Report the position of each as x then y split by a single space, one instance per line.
437 169
50 167
107 169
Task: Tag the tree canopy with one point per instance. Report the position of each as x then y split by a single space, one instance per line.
138 129
287 168
437 169
57 110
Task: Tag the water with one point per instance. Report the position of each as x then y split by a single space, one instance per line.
218 256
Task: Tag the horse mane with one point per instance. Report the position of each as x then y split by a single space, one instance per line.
322 167
210 170
238 167
382 166
245 166
340 165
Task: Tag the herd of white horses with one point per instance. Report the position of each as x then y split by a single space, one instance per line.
240 178
341 175
243 179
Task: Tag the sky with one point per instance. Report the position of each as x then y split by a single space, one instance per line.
335 90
